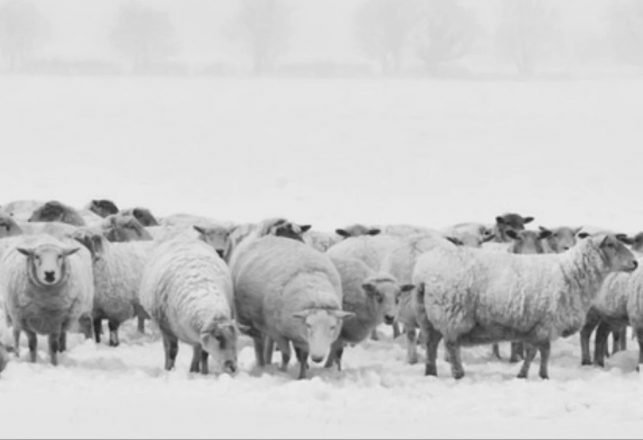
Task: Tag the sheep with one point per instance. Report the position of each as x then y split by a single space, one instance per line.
48 288
103 207
470 296
288 292
118 268
187 289
21 209
356 230
143 215
559 239
470 234
124 227
372 297
54 211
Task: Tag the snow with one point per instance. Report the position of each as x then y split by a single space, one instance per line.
330 153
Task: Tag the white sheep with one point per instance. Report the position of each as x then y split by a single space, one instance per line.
288 292
187 290
372 297
118 269
470 296
48 287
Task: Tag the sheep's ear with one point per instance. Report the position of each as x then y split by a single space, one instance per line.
369 288
526 220
544 233
374 231
407 288
577 230
303 314
70 251
512 234
583 235
489 237
342 314
199 229
500 220
455 241
26 252
342 233
624 238
305 228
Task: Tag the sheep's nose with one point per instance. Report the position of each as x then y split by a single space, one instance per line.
389 319
317 359
50 276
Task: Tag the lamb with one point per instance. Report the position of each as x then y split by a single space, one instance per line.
187 290
54 211
288 292
373 298
124 227
471 297
103 207
143 215
118 268
48 287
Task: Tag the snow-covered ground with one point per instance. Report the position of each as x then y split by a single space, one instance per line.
326 152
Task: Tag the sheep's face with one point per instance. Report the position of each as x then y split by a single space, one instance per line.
510 222
356 231
617 256
561 239
103 207
95 243
216 236
220 342
47 263
527 242
321 329
290 230
385 295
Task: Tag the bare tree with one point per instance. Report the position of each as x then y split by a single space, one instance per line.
23 30
446 32
527 32
144 36
625 29
382 28
263 28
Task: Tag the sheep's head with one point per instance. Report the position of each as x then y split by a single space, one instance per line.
216 236
561 239
52 211
47 263
385 294
103 207
356 230
8 226
290 230
321 329
144 216
510 222
528 242
93 241
219 340
124 227
616 255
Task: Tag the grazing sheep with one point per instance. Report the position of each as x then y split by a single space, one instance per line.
124 227
103 207
470 234
21 210
288 292
373 298
48 287
54 211
187 290
559 239
356 230
118 268
472 297
143 215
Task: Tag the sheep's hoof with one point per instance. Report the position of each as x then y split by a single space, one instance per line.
586 362
637 369
514 360
522 375
544 376
412 360
113 343
457 375
599 364
430 370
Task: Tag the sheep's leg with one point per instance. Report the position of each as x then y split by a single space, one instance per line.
602 333
457 371
302 357
624 338
86 325
332 356
411 344
33 345
530 354
16 342
338 358
171 346
204 362
54 345
268 350
396 330
639 337
517 352
284 348
545 350
62 343
113 333
495 348
432 339
141 324
259 350
619 339
195 365
374 335
98 329
586 332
